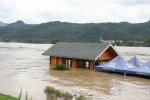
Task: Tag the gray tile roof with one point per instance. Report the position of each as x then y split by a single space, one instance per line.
88 51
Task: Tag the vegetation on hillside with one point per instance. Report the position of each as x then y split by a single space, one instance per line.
53 32
130 43
147 41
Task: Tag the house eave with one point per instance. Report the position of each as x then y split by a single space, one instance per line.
110 45
72 57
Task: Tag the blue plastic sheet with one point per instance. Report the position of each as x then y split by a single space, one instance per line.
118 64
147 64
135 61
143 70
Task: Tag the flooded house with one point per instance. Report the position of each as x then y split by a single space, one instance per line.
80 55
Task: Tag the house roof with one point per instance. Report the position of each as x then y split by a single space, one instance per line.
78 50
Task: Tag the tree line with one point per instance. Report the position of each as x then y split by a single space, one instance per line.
52 32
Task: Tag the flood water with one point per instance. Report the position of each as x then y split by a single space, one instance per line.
23 66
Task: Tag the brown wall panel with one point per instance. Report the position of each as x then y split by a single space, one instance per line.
59 60
52 60
74 63
91 65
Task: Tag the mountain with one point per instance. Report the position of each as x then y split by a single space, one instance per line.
2 24
64 31
18 24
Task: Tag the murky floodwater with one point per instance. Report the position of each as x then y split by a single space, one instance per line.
23 66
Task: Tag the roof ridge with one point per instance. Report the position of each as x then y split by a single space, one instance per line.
81 50
87 42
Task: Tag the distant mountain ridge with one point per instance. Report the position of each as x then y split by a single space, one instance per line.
65 31
2 24
18 24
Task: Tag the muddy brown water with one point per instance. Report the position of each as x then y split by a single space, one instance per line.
23 66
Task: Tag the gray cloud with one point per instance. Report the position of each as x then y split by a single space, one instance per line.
131 2
81 11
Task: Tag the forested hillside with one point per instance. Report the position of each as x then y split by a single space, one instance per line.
63 31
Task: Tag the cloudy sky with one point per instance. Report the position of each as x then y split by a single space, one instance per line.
79 11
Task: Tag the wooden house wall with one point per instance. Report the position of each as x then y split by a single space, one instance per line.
52 60
59 60
108 54
74 63
92 65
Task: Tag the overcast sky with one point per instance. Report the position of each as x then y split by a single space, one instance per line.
78 11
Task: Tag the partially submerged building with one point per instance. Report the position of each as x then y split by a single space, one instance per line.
80 55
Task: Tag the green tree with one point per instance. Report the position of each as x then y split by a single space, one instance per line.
130 43
147 41
54 41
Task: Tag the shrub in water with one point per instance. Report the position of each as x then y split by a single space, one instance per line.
67 96
52 92
81 97
61 67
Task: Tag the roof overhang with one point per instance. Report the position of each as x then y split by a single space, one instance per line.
110 45
71 57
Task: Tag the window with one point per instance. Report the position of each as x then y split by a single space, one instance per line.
87 64
68 62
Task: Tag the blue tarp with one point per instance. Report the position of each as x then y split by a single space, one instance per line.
118 64
144 70
135 61
147 64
